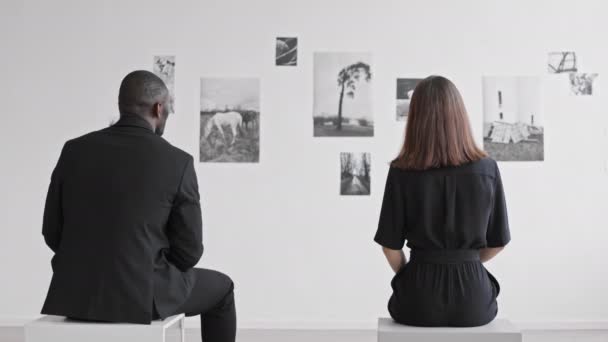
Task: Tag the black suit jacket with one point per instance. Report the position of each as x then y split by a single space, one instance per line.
123 217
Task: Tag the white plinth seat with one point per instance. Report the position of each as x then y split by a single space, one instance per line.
60 329
499 330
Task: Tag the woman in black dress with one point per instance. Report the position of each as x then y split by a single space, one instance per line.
444 196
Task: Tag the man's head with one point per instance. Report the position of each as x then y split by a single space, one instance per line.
144 94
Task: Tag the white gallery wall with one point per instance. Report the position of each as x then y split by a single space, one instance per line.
299 253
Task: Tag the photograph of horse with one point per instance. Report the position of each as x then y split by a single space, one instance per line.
229 127
232 120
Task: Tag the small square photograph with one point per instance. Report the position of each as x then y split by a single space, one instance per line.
342 99
230 120
582 83
513 118
405 90
355 173
560 62
164 67
287 51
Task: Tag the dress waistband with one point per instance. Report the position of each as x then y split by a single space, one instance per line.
444 256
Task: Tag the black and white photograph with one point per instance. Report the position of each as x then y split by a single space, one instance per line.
164 67
405 90
513 118
342 95
582 83
287 51
230 120
355 173
561 62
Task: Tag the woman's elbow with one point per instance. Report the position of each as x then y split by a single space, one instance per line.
390 251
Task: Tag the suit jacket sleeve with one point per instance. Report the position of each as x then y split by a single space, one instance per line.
52 221
185 226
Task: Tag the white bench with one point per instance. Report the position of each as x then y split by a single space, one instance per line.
60 329
499 330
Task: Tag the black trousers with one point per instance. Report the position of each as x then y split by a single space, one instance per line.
444 288
213 299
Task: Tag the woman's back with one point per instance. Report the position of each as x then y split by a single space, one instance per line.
459 207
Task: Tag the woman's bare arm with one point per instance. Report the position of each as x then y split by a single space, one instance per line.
488 253
396 258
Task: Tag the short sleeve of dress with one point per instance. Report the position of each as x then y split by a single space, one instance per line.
498 234
391 225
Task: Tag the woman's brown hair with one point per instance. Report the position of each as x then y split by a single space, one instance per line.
438 132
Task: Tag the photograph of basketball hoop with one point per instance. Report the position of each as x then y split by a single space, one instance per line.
560 62
230 119
286 51
513 118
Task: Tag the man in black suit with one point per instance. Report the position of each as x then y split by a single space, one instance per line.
123 218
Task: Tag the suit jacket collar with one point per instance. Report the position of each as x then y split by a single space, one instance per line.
133 120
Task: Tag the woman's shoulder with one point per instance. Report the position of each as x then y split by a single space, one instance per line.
487 162
486 165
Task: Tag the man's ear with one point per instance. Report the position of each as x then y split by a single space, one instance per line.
157 110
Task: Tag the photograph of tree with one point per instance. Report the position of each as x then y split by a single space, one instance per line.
342 95
355 173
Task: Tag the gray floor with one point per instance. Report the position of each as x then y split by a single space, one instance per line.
15 334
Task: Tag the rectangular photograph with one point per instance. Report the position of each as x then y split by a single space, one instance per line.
582 83
355 173
286 51
342 95
230 120
405 90
563 61
164 67
513 118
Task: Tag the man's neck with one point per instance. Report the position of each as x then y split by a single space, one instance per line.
139 117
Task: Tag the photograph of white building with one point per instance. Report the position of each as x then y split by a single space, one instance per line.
513 118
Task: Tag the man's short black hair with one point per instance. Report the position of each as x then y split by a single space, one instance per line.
139 91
